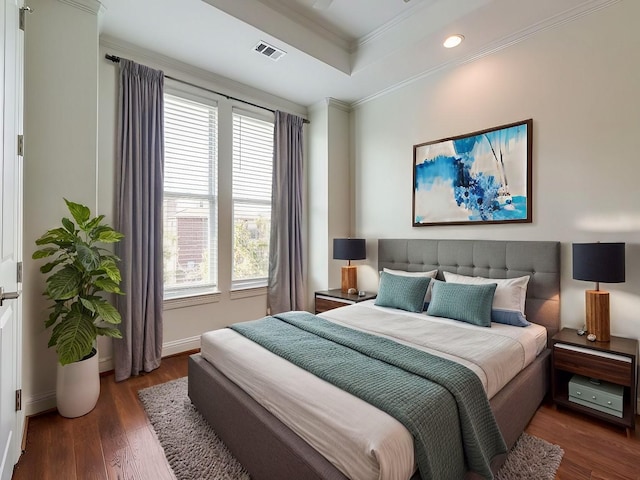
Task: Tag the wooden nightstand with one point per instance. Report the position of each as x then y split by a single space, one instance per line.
330 299
615 362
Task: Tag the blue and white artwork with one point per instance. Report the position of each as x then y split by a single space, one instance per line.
478 178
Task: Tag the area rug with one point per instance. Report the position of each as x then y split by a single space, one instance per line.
195 452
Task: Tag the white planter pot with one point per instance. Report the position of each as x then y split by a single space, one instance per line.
78 387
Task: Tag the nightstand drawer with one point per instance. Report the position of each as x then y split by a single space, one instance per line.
336 298
611 368
605 397
324 304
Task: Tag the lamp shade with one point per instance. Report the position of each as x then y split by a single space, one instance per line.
349 249
599 262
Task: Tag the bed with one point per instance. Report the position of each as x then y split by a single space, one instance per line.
269 449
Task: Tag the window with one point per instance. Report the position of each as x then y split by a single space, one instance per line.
190 196
252 169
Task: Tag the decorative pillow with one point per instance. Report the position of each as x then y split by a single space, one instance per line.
508 301
467 303
399 291
430 274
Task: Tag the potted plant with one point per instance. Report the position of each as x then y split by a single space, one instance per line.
80 270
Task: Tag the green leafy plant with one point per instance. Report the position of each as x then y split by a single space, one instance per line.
80 271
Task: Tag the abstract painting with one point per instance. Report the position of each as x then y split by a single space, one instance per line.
482 177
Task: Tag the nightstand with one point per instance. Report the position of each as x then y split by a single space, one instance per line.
614 362
330 299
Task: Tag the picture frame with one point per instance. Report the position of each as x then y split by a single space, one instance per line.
482 177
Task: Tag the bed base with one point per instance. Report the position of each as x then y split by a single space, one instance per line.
270 450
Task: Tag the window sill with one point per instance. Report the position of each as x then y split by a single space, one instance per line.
191 300
247 292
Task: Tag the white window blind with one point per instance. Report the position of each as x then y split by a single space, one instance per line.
190 196
252 171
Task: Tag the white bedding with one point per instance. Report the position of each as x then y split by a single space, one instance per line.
360 440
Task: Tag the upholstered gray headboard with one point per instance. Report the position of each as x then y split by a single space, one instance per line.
487 258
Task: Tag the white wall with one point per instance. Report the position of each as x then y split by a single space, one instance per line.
70 132
318 199
60 126
580 83
329 185
340 201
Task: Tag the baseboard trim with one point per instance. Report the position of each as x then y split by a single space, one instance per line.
168 349
106 365
42 402
39 403
179 346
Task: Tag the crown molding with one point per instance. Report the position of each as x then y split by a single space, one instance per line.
91 6
338 104
494 47
329 102
334 37
382 29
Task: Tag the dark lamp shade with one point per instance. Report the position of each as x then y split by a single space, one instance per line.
349 249
599 262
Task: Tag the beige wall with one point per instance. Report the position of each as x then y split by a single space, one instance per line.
579 82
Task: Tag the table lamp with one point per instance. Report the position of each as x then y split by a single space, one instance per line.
349 249
598 262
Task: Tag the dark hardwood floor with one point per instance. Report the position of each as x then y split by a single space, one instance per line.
115 441
593 450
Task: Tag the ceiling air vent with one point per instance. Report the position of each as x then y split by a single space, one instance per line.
269 51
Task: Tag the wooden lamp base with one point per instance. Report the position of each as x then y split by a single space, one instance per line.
597 302
349 278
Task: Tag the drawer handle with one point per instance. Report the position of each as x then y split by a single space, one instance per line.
593 397
608 403
578 393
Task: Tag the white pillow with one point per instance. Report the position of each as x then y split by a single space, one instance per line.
510 295
430 274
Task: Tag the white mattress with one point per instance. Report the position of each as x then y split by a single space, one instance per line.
360 440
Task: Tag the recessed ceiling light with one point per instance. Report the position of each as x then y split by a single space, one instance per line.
453 40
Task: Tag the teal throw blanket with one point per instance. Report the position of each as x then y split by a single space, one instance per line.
441 402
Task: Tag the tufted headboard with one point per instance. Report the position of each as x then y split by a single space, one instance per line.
487 258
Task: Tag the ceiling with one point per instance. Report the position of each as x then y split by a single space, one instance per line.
350 50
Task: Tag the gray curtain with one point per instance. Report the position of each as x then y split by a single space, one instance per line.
139 184
286 290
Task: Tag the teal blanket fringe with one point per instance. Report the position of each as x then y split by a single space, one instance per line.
441 402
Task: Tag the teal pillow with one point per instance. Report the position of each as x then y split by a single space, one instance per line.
405 293
467 303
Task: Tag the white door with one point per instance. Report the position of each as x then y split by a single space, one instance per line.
11 51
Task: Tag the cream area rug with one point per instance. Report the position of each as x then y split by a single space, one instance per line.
195 452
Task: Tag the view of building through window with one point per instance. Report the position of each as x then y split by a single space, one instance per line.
190 194
252 179
191 201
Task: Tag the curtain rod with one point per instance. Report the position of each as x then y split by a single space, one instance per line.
116 59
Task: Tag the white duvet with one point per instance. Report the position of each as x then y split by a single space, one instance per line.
360 440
